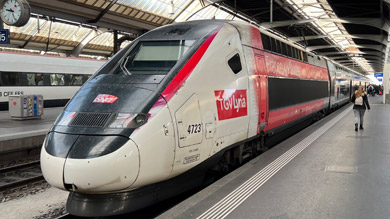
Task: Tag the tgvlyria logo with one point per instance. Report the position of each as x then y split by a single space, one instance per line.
231 103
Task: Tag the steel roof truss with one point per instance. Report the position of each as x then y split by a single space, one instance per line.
102 13
377 38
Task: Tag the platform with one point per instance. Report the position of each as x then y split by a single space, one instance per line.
15 134
325 171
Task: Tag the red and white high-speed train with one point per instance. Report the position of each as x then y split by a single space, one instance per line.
178 101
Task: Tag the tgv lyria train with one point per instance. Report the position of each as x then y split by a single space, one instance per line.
56 78
178 101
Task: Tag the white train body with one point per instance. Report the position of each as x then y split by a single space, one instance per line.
102 148
16 68
167 152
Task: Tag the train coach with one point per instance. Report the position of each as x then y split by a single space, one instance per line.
179 101
56 78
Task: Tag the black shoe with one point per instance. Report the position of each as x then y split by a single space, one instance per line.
361 127
356 127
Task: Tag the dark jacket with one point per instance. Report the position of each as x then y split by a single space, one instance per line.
365 105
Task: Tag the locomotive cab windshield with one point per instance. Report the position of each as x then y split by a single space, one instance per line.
153 57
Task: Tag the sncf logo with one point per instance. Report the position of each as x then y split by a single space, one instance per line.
105 98
231 103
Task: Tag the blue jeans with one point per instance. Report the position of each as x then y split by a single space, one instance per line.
359 114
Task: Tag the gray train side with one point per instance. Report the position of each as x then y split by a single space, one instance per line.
56 78
343 83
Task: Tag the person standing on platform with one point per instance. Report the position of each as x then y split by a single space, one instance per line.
360 104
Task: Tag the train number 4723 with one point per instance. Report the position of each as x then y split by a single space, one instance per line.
195 128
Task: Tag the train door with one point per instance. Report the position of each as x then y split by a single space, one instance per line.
189 123
352 89
189 134
338 93
263 89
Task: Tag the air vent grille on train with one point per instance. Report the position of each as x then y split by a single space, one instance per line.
90 119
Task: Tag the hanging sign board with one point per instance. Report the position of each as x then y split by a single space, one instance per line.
4 36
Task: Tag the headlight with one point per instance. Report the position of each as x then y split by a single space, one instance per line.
128 120
141 119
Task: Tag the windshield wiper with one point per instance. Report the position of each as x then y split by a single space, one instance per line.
123 64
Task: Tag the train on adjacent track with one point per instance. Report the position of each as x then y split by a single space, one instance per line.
178 101
56 78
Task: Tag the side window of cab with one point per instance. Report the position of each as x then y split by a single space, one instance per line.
235 63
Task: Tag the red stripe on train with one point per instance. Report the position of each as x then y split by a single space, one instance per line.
283 116
185 72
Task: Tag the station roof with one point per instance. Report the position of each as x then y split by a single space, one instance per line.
63 26
351 32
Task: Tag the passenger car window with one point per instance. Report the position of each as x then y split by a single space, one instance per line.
266 42
57 79
76 80
278 46
34 79
9 78
235 63
284 48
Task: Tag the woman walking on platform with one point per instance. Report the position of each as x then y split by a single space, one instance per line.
360 104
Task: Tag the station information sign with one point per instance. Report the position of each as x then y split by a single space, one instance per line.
4 36
378 75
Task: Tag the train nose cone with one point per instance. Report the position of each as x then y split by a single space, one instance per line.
113 171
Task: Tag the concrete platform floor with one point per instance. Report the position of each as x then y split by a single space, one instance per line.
17 135
13 129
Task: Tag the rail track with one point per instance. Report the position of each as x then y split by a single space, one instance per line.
21 174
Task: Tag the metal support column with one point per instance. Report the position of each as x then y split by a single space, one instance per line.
271 10
1 21
116 46
386 84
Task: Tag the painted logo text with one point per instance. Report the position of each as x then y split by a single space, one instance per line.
231 103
